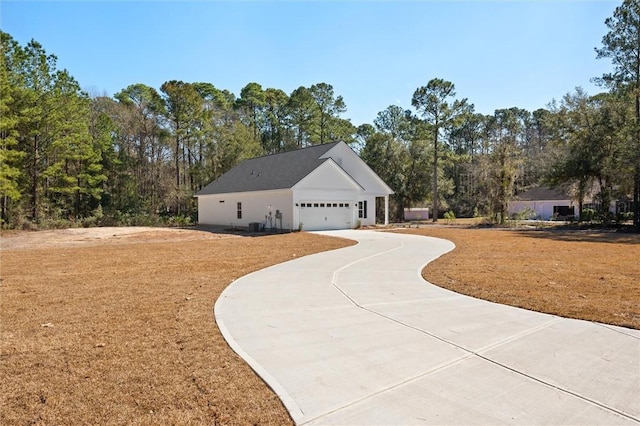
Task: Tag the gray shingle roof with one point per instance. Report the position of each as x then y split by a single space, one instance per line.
277 171
543 193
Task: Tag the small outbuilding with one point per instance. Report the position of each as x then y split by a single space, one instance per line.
315 188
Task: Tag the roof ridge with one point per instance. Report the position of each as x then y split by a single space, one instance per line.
295 150
268 172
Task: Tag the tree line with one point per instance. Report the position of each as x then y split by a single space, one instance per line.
139 156
143 153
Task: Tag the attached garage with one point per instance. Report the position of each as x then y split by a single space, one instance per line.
326 215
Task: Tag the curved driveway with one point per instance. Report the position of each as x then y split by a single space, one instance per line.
355 336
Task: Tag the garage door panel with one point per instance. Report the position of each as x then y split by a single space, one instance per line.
322 215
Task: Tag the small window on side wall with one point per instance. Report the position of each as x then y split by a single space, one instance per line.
362 209
239 210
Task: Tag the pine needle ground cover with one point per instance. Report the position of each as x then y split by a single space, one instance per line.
118 328
586 275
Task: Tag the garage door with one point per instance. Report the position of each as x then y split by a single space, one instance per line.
321 215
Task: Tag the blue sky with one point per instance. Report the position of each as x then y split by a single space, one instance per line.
499 54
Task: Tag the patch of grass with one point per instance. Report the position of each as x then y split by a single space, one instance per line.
124 333
590 275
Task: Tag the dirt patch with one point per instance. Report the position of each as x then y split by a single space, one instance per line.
76 237
593 276
115 326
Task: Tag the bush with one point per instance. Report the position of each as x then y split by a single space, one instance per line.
450 216
624 217
57 224
27 225
588 215
178 221
89 222
99 218
525 214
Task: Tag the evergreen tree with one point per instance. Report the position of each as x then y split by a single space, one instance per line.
622 45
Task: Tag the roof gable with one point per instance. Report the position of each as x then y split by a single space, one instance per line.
329 175
276 171
359 171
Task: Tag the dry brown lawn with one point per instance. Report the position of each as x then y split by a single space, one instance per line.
116 326
576 274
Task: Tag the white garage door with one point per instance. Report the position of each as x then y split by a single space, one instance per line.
321 215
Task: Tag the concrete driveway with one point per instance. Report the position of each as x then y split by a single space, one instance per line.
355 336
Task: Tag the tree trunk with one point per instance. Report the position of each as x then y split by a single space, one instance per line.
177 162
435 172
636 200
400 210
34 182
5 203
636 180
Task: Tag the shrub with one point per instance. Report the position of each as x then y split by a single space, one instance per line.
178 221
588 215
624 217
450 216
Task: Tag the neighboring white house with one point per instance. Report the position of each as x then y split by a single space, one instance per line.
545 203
320 187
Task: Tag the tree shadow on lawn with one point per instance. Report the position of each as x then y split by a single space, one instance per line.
583 236
240 231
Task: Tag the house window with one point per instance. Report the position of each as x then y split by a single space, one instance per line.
239 210
321 204
341 204
346 205
362 209
221 201
315 204
335 204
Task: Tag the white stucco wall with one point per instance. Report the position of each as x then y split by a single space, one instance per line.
358 170
543 209
328 183
221 209
371 210
371 184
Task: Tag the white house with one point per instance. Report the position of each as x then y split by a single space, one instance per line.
545 203
320 187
